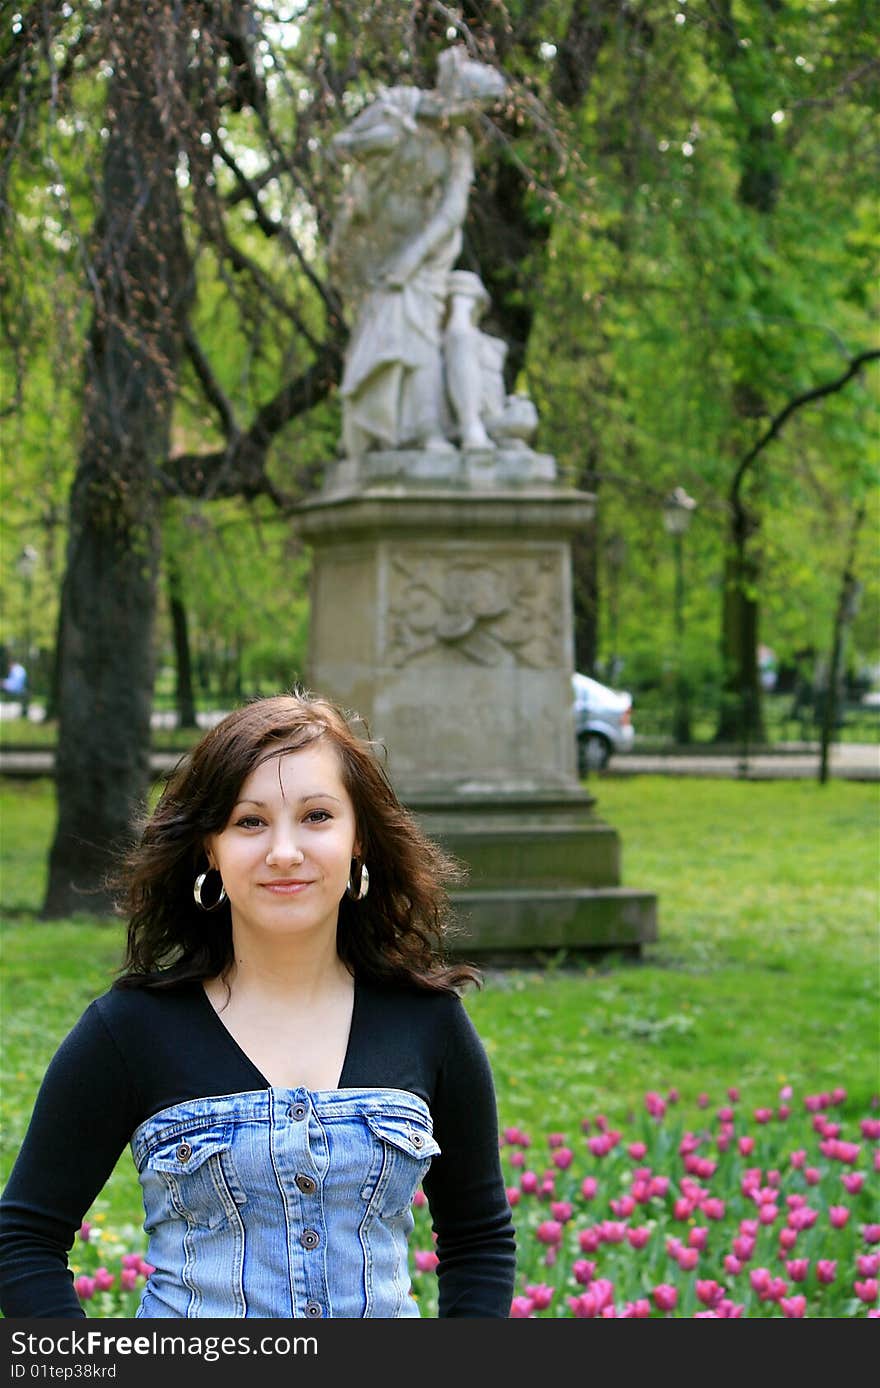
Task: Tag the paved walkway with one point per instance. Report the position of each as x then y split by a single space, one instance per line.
850 761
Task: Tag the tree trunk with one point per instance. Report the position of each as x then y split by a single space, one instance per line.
141 277
740 715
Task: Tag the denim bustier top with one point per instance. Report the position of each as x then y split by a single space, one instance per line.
283 1203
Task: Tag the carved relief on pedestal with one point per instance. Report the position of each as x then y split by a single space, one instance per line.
465 609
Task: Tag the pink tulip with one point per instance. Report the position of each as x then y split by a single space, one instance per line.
84 1287
746 1145
826 1270
802 1218
838 1095
637 1310
783 1112
867 1291
637 1150
425 1261
584 1271
563 1158
672 1097
521 1308
870 1128
868 1264
709 1292
787 1239
799 1157
871 1233
589 1240
794 1306
733 1095
517 1160
768 1213
683 1209
763 1115
103 1280
749 1227
688 1258
659 1185
797 1269
420 1199
513 1196
713 1208
638 1237
528 1182
146 1269
549 1232
732 1265
665 1297
589 1186
555 1139
853 1181
612 1231
812 1175
84 1231
623 1207
698 1236
743 1247
562 1210
838 1216
703 1100
760 1279
655 1105
128 1279
541 1295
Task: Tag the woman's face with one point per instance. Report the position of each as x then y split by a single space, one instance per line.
285 853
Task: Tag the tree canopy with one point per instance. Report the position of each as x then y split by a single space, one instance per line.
675 216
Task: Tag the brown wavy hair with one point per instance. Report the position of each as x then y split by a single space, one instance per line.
398 932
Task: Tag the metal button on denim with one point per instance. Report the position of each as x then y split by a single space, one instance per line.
306 1184
417 1140
298 1111
184 1152
309 1238
314 1310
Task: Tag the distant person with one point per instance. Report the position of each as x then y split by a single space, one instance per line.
285 1050
15 683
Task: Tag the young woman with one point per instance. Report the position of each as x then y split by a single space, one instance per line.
285 1051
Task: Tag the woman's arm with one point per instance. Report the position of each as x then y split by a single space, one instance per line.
82 1119
465 1187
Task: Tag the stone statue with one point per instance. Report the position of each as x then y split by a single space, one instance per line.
419 373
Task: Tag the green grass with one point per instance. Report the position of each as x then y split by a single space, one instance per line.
765 971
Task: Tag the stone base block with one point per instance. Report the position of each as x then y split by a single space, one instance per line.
523 923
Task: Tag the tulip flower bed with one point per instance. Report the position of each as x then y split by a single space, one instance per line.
775 1212
769 1213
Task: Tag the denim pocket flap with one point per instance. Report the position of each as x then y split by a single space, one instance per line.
186 1152
406 1134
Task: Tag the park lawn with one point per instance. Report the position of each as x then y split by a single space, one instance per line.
765 971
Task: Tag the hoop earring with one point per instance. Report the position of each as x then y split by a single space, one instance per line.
197 891
358 881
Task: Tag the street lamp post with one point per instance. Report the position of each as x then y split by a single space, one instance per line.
677 510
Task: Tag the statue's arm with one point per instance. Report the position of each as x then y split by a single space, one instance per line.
449 215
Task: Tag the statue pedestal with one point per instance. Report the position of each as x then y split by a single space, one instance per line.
441 612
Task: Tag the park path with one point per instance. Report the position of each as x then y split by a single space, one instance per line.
850 761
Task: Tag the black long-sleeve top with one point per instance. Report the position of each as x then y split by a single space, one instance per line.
137 1051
